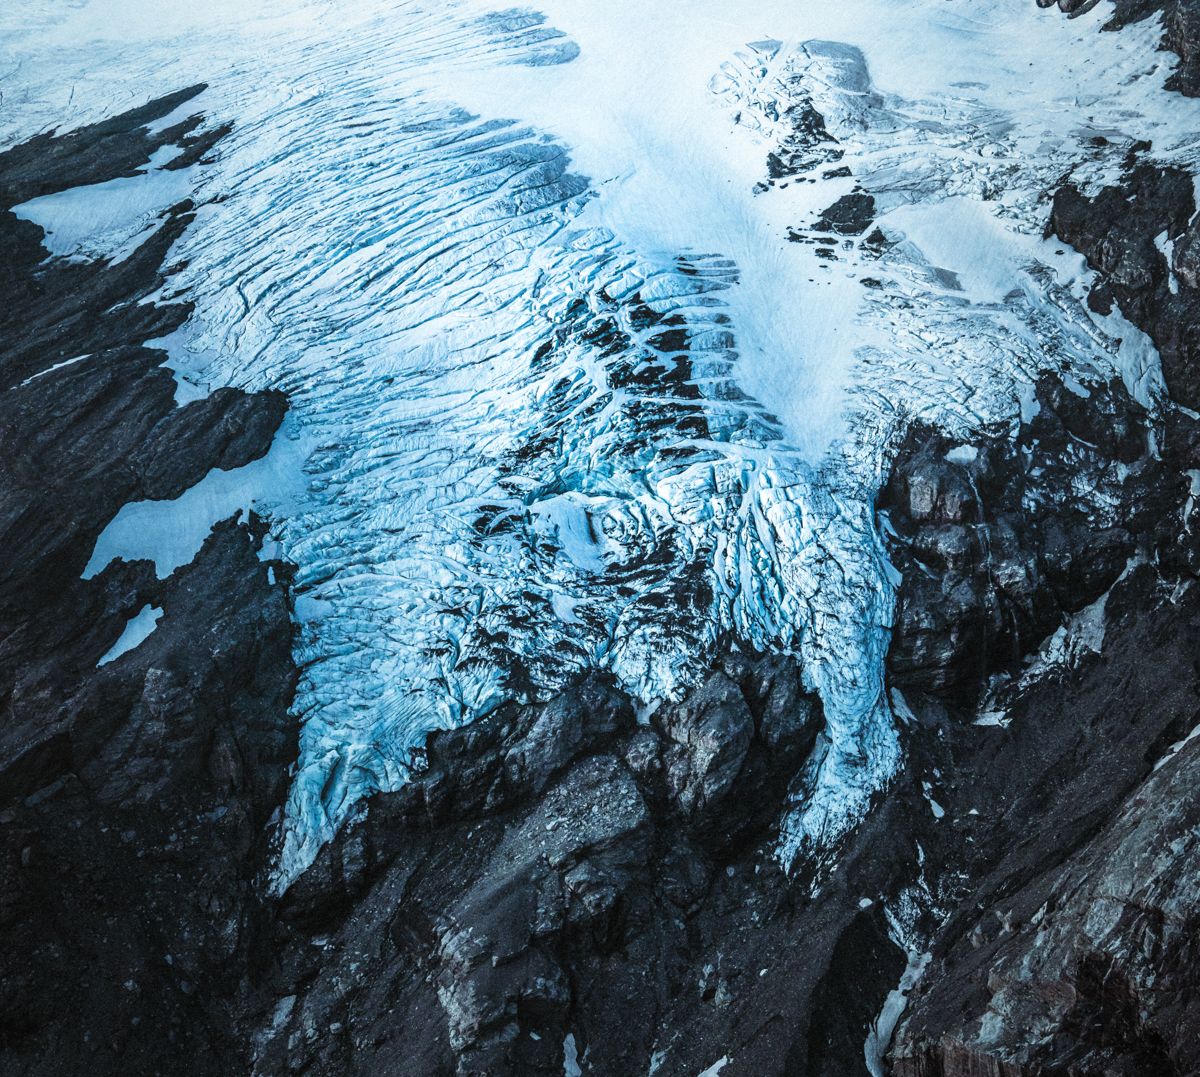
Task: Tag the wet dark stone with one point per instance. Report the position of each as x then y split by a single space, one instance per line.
1062 801
709 737
1023 946
1116 232
606 903
993 558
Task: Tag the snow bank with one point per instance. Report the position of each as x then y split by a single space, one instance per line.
170 533
103 219
136 629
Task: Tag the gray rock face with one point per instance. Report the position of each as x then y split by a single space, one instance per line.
134 795
994 555
1077 754
562 870
710 735
1094 966
469 924
1070 950
1181 35
1116 231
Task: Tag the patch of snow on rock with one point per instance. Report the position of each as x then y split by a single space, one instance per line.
136 629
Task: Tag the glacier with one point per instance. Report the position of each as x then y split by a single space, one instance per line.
578 377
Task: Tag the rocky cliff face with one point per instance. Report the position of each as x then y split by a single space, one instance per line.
1002 543
1142 237
566 879
134 787
1069 952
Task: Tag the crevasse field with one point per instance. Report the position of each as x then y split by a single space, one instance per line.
574 381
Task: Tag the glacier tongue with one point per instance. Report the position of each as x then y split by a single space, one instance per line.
565 422
516 414
923 205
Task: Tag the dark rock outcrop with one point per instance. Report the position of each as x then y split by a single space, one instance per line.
1073 952
1000 542
1182 37
564 871
1143 237
134 793
1068 945
850 215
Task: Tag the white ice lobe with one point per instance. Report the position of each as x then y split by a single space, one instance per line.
515 414
171 532
136 630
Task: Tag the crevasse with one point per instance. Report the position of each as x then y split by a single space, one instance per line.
560 422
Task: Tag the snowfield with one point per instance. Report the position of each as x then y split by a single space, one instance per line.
576 379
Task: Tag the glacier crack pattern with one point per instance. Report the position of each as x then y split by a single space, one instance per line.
538 444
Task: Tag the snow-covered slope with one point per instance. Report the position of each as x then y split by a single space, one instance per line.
576 378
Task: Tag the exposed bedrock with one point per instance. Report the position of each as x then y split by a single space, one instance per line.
135 787
1069 947
1182 37
1088 968
1181 31
1067 745
566 871
135 800
1143 237
1002 541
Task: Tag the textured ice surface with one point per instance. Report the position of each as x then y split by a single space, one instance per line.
554 422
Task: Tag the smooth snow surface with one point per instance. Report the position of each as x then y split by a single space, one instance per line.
571 1057
102 218
571 396
170 533
137 628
